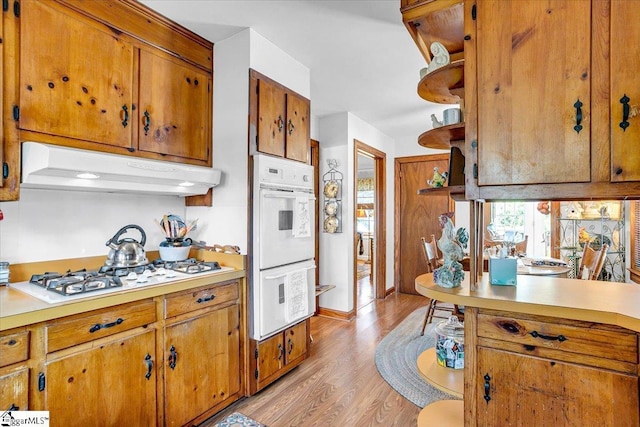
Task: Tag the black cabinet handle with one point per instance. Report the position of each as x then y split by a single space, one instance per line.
147 122
624 124
280 123
13 407
290 342
291 127
560 338
5 5
149 363
98 326
205 299
281 351
173 357
125 121
578 107
487 388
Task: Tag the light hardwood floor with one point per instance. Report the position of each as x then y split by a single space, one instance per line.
339 384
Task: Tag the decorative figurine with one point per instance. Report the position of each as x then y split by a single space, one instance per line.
440 57
435 122
452 244
439 179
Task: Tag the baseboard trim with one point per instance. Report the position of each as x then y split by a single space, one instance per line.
389 291
335 314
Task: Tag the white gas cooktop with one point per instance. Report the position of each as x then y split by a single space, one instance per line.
152 279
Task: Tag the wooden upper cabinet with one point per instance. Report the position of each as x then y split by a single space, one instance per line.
174 109
534 92
272 115
625 82
76 80
297 128
279 119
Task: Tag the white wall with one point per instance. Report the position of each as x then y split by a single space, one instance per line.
53 224
337 134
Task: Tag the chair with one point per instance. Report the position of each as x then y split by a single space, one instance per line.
430 250
521 247
592 262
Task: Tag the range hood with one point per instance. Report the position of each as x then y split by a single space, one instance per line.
53 167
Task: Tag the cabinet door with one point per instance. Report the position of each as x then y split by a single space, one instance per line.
298 143
533 66
76 79
14 390
174 109
114 382
2 37
625 54
202 364
271 118
525 390
270 357
295 339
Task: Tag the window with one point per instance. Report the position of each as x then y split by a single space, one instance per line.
634 219
514 220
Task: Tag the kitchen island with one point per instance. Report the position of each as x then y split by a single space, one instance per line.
548 351
162 354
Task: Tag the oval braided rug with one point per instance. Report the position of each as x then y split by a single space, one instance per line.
396 357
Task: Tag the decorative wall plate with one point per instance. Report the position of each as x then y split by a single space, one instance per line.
331 224
331 189
331 208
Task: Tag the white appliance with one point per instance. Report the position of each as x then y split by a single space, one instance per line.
54 167
283 266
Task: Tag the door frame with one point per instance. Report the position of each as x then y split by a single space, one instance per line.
379 255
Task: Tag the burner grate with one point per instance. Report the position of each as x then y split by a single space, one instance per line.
75 282
188 266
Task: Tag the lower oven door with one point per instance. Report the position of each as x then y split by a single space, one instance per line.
283 296
285 232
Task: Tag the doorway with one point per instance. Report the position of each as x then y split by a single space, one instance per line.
369 220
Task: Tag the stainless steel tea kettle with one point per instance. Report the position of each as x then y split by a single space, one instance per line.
126 252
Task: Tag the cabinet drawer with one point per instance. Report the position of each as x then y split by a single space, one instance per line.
583 338
206 296
14 348
85 327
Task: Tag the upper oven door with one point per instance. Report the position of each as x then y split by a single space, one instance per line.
286 227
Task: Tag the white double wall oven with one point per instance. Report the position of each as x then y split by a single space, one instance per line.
282 290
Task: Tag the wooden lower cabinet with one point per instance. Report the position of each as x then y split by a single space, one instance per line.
201 364
110 383
171 360
525 390
14 390
277 355
545 371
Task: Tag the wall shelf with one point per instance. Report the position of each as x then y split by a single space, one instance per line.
456 192
442 138
444 85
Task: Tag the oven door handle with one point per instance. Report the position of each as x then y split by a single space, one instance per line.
289 196
282 275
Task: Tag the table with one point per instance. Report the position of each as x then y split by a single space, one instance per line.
542 270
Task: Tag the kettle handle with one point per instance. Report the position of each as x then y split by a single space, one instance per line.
114 240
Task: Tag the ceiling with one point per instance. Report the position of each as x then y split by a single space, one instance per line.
362 58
